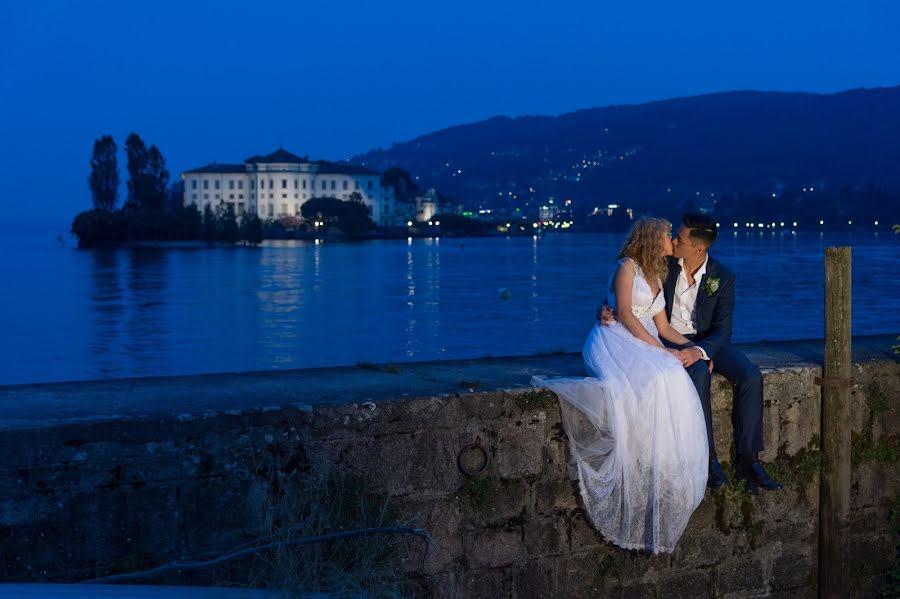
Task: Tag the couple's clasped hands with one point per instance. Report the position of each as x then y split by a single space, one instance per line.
687 356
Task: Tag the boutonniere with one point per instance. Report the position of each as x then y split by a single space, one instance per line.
712 285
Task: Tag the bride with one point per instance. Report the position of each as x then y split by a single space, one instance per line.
637 436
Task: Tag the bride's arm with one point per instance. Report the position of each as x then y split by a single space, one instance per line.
622 286
667 331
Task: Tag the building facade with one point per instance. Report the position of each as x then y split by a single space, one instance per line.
278 184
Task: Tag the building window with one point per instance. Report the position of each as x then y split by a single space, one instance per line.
296 209
283 196
205 184
345 184
296 196
193 184
271 195
240 207
218 196
296 184
230 196
217 184
205 196
284 184
240 196
333 185
271 184
304 196
284 208
271 209
193 196
240 185
252 184
231 184
304 184
324 184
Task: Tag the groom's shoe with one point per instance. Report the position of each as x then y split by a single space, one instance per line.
755 475
716 478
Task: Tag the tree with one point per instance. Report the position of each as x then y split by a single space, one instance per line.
251 228
230 231
210 226
157 181
351 217
136 157
104 177
147 176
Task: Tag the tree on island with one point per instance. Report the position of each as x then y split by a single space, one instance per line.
251 228
230 231
104 177
210 225
147 176
350 216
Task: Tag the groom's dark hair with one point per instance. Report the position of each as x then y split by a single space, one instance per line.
703 228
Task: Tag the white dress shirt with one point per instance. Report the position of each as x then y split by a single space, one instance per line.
684 302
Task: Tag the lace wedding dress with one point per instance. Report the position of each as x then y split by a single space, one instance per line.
637 437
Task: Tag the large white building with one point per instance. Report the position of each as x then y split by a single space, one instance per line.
278 184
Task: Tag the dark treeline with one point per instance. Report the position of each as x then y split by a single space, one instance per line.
152 211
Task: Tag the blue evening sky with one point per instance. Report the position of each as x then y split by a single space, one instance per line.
220 81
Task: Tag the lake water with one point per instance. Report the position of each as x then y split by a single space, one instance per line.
69 314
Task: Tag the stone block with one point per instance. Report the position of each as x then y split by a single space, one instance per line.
741 577
491 583
555 494
545 536
443 521
701 548
535 578
518 452
795 567
494 547
399 464
686 584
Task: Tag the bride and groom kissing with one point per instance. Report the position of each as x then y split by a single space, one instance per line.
640 426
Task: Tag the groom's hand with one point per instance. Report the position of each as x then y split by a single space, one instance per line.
689 355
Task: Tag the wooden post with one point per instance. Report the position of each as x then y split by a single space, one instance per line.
834 486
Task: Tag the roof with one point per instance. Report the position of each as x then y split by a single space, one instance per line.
278 156
219 168
282 156
343 168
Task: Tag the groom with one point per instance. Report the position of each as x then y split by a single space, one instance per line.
699 293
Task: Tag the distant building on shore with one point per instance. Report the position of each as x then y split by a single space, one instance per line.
278 184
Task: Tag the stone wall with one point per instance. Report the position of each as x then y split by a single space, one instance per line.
84 499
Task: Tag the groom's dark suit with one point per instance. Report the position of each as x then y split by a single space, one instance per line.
712 317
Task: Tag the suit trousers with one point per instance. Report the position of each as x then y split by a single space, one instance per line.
747 398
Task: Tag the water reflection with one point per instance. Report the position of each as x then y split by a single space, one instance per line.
104 313
146 334
108 303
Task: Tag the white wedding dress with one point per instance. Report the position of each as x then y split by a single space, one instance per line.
637 437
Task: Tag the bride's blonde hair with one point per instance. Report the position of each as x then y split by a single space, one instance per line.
644 245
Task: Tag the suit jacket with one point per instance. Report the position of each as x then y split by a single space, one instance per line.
713 311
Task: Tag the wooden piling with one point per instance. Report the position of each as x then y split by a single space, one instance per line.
834 487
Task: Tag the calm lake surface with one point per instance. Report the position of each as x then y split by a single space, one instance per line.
69 314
